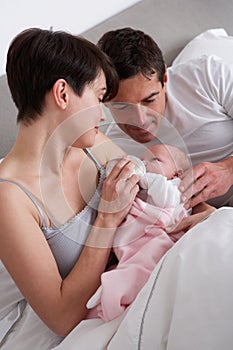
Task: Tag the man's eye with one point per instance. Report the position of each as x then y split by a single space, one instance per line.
150 101
119 106
154 159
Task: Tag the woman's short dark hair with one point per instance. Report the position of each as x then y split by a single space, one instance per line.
37 58
132 52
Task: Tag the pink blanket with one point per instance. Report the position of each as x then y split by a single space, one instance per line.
139 244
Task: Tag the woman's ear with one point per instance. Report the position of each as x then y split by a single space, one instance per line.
60 93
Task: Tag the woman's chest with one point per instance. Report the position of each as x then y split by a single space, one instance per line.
79 184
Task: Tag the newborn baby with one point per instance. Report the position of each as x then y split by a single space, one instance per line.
141 240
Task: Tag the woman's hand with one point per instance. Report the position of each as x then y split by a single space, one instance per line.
205 181
118 193
199 213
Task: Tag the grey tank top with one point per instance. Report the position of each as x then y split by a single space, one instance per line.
66 242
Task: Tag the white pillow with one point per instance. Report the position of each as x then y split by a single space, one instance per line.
211 42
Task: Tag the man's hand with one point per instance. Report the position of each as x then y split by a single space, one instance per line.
205 181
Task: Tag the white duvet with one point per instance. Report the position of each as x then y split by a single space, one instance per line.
187 304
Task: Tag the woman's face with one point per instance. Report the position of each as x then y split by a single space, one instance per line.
90 112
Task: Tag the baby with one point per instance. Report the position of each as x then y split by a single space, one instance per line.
166 160
141 240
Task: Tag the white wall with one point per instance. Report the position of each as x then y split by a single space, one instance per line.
75 16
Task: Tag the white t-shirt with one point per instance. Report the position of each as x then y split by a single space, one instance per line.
198 116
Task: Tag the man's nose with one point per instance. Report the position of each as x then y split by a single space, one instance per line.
139 115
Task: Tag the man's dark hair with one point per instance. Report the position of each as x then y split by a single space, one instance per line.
132 52
37 58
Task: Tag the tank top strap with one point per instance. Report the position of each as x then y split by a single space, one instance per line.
95 160
37 205
30 196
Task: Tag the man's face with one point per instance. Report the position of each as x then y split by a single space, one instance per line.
139 106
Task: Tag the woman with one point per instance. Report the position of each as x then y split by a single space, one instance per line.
54 243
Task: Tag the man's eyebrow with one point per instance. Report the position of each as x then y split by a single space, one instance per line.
151 95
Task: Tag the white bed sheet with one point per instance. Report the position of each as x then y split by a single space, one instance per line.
186 304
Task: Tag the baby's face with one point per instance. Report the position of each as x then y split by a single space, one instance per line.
158 159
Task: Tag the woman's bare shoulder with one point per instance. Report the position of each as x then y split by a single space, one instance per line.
14 203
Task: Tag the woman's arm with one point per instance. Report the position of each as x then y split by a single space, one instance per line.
24 251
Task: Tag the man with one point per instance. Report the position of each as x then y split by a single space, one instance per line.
195 100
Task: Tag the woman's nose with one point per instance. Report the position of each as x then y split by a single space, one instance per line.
103 117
